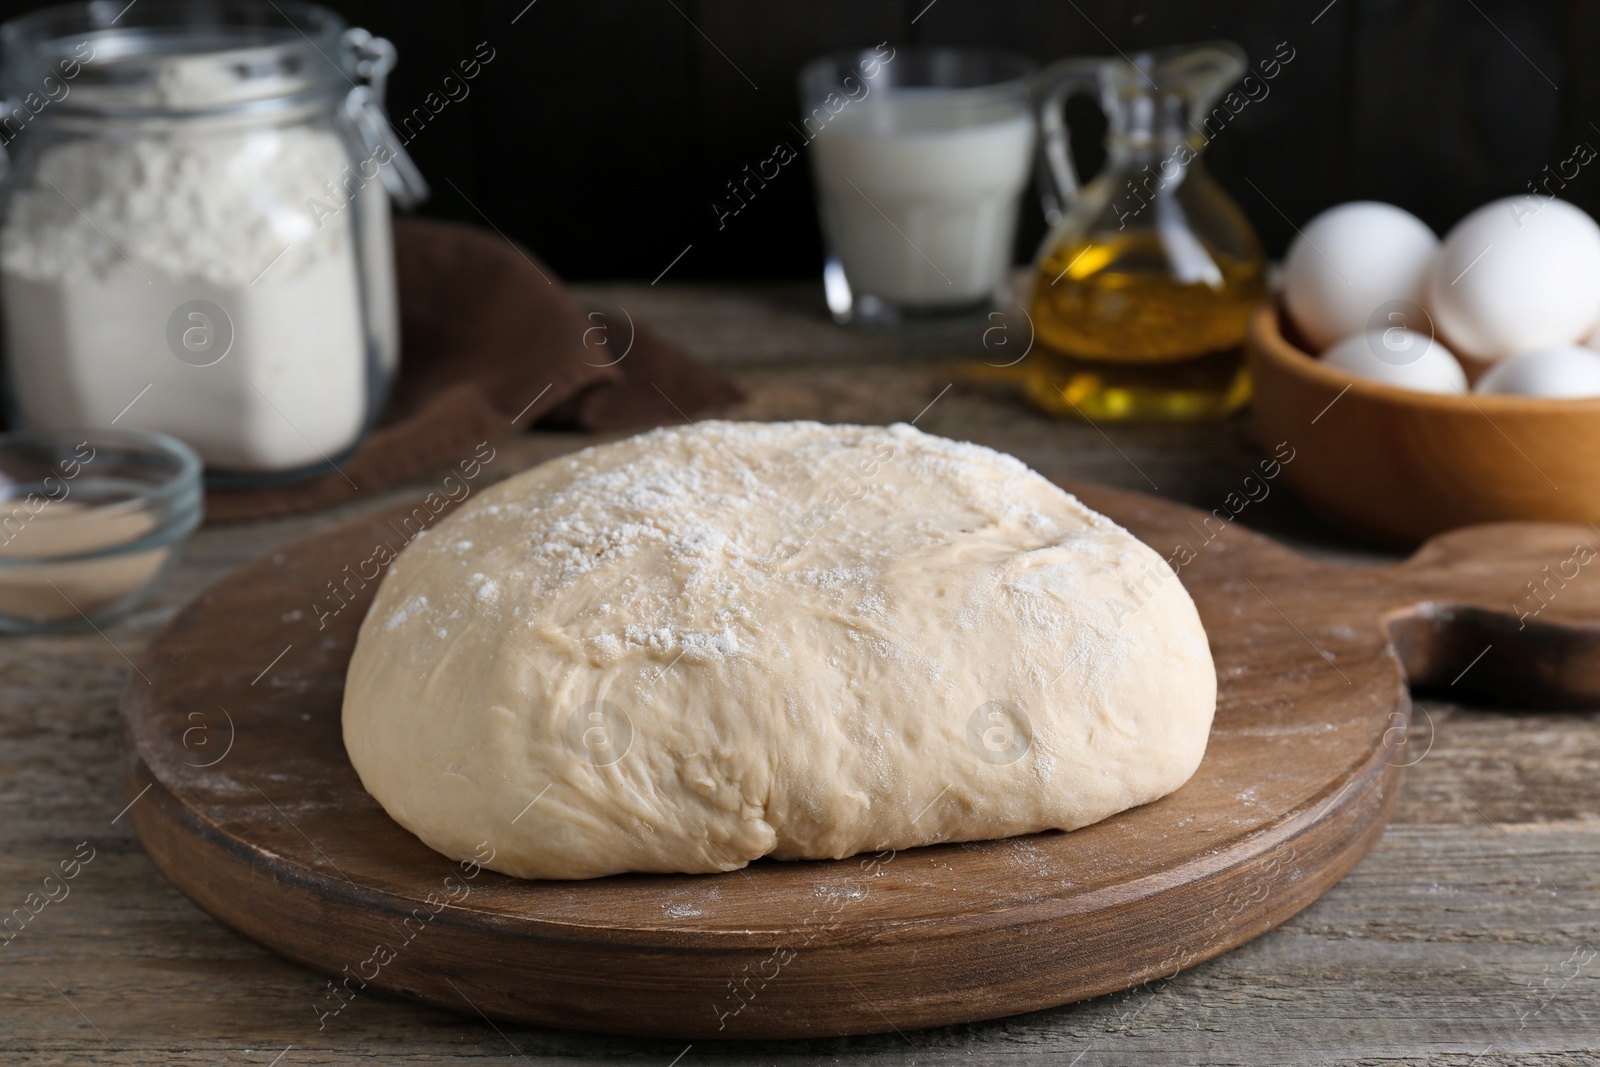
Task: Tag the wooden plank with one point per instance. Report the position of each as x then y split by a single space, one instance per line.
618 112
1453 108
747 64
583 146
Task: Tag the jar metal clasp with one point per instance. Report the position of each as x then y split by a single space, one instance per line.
371 59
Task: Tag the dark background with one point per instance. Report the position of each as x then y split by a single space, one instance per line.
602 130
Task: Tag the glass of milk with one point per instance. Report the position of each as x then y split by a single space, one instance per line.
920 156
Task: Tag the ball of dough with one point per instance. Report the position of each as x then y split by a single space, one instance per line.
704 645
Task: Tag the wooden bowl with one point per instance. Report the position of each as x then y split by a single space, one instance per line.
1400 466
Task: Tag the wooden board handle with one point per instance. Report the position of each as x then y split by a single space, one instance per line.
1507 613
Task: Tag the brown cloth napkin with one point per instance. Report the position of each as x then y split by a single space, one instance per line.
491 343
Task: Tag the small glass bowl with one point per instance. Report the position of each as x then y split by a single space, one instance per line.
90 520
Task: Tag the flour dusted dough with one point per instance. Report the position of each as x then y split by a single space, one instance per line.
703 645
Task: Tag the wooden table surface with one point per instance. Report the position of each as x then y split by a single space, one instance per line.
1468 936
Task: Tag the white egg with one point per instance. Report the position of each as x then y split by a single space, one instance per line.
1400 357
1351 260
1516 275
1563 371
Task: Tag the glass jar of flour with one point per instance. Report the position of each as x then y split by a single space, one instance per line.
195 232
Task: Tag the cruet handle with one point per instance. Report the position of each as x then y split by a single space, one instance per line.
370 60
1058 178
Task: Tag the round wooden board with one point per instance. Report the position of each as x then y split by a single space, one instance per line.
247 803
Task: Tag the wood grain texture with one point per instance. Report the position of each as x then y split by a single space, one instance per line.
1448 946
928 937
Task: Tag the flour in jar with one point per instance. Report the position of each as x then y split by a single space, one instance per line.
113 236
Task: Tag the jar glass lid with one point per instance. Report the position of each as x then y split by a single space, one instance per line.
173 55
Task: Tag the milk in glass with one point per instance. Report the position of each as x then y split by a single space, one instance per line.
918 190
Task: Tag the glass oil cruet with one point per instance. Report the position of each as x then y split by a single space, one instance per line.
1143 289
